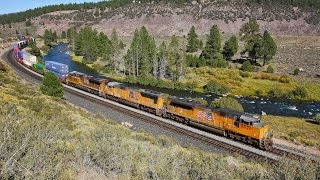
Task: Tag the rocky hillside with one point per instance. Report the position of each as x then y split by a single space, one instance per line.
169 19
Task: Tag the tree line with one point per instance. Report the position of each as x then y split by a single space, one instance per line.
102 5
144 58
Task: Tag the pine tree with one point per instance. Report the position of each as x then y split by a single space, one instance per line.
115 50
193 41
269 47
51 85
230 47
213 44
63 35
250 33
142 53
176 59
161 64
212 51
249 29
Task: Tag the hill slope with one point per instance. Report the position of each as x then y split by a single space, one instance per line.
165 19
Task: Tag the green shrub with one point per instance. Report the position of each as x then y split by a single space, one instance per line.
296 71
180 86
244 74
201 101
247 66
165 84
131 79
258 92
191 85
300 92
216 88
147 81
270 69
227 102
276 93
51 85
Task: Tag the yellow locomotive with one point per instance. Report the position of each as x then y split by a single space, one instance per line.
235 125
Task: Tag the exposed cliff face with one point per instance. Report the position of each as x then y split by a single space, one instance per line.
168 19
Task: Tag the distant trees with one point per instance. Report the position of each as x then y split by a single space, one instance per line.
257 46
51 85
141 54
50 37
90 44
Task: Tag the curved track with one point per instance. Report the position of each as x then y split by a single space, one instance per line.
210 139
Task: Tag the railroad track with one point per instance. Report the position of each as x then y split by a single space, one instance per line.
210 139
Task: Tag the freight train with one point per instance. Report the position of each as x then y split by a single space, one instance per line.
243 127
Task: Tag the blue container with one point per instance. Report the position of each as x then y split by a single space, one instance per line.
20 54
57 67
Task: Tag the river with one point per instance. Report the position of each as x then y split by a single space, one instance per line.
282 107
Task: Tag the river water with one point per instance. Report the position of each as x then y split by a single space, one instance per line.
282 107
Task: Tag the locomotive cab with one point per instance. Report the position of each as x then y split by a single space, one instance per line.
261 129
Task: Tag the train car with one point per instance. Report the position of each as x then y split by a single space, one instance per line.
235 125
120 92
57 67
86 82
148 100
245 127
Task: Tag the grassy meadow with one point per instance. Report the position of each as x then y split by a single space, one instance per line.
47 138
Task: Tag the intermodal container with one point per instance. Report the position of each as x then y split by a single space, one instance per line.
29 59
16 50
20 54
38 66
57 67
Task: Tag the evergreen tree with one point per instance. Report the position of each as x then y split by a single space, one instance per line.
176 60
51 85
230 47
212 51
115 49
160 66
142 53
63 35
249 30
213 44
269 47
34 49
254 47
193 41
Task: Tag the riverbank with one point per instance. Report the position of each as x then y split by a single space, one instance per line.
239 83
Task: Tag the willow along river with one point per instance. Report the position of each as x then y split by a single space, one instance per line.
282 107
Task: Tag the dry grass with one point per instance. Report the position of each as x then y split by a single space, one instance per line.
294 129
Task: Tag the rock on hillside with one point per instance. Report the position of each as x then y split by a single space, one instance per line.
169 19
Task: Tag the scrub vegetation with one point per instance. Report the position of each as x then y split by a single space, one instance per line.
44 137
298 130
